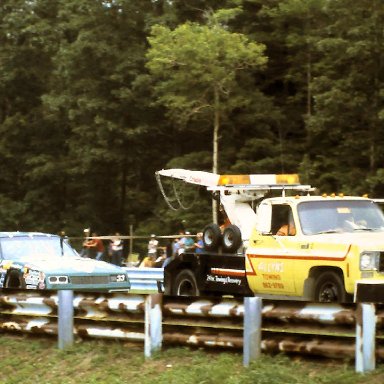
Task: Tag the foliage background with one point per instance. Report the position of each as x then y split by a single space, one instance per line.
82 129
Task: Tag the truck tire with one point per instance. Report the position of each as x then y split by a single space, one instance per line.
212 237
231 238
185 284
329 288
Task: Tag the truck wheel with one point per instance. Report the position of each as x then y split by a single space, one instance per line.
231 238
185 284
212 237
329 288
15 280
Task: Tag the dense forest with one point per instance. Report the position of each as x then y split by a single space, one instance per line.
96 95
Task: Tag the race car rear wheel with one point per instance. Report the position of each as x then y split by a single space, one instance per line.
14 280
329 288
212 237
185 284
231 238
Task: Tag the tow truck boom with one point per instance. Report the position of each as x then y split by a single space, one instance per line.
238 192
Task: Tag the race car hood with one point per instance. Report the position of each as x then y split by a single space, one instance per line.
71 265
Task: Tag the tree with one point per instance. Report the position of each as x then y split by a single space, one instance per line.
97 95
290 30
346 129
31 147
196 68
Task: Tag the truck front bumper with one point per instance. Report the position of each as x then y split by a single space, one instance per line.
369 291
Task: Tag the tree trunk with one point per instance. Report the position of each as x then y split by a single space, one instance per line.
375 92
309 79
216 126
123 193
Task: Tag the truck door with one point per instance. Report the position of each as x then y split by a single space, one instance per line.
271 254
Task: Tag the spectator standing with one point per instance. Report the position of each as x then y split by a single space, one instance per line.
169 248
152 247
116 247
175 247
181 247
85 250
199 244
150 260
169 252
189 243
95 246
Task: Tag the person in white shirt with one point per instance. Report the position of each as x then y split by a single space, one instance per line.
116 247
152 247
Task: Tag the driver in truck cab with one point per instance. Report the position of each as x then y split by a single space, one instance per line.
287 229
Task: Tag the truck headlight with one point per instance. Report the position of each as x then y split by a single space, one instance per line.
369 260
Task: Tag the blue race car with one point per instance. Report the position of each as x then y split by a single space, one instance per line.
30 260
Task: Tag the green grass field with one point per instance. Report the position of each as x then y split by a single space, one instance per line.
26 359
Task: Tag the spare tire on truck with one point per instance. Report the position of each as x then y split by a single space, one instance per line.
212 237
231 238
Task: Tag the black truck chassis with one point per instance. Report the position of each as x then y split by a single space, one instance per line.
206 274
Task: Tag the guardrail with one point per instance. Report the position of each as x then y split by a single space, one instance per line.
145 280
329 330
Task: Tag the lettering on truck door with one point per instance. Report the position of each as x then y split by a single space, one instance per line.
270 255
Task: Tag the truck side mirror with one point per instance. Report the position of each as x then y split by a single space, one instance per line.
263 218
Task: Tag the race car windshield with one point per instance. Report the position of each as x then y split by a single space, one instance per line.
35 248
338 216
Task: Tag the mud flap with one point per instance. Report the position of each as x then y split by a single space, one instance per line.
309 289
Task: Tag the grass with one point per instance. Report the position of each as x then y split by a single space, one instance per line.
26 359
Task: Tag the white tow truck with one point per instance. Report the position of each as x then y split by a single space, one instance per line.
281 241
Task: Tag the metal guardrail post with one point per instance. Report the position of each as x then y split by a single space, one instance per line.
365 337
153 324
65 318
252 329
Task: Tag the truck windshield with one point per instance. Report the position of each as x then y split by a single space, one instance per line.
34 248
338 216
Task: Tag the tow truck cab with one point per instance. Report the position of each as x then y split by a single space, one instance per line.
336 242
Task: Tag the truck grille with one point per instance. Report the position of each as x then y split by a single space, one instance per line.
89 280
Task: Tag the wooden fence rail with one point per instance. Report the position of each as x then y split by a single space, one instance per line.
352 331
